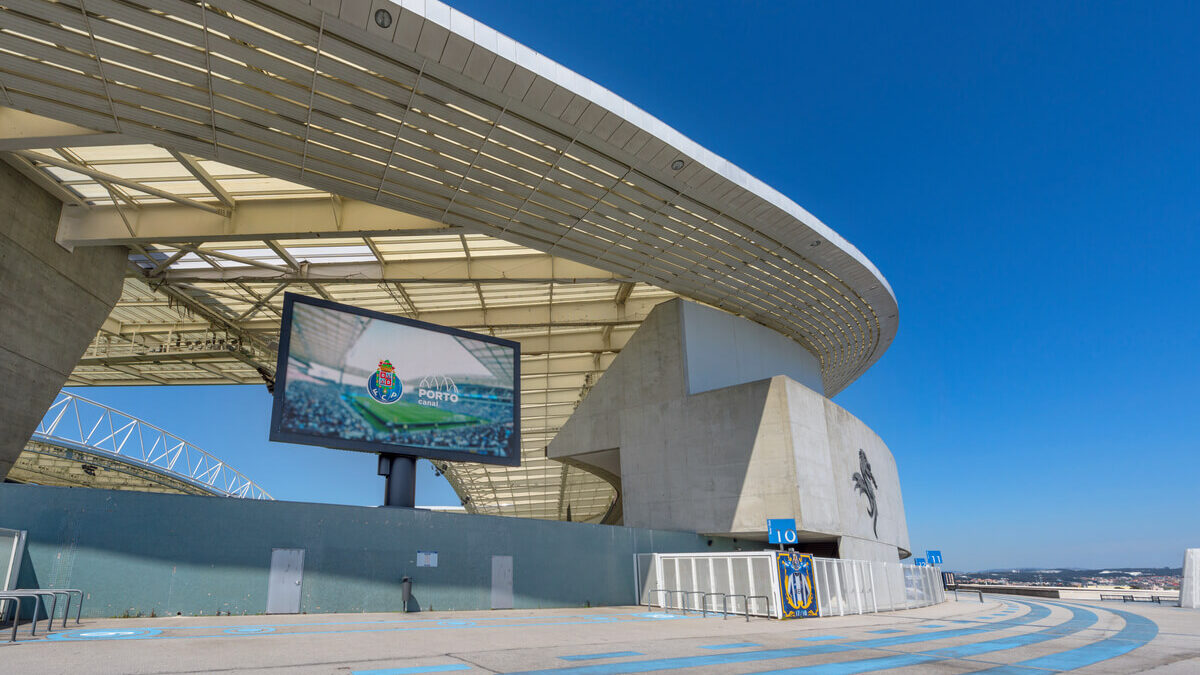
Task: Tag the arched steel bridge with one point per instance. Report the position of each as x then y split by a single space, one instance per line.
101 439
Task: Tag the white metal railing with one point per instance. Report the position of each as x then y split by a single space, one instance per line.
865 586
696 582
79 423
693 581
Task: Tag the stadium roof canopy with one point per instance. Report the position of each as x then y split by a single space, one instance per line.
404 159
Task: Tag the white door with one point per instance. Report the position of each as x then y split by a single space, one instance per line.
285 582
502 582
12 550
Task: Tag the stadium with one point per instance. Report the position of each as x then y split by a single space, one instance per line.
173 172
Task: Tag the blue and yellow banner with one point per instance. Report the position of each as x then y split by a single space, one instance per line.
797 584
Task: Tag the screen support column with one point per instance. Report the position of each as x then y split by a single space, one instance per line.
401 472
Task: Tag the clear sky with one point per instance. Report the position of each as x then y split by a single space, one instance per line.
1027 177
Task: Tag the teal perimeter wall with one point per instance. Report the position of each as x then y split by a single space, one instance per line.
138 553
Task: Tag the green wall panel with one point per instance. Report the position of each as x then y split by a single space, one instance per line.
140 553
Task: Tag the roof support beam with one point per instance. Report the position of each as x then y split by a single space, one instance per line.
117 180
20 130
540 268
566 315
43 180
252 220
623 293
205 178
181 356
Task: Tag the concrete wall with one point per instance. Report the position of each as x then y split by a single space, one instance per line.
1189 586
724 461
52 303
722 350
141 553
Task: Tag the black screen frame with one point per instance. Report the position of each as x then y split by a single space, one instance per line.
513 452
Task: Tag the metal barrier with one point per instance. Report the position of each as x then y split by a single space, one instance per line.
725 597
724 604
969 591
16 597
39 595
4 612
688 594
842 586
708 575
745 604
865 586
652 591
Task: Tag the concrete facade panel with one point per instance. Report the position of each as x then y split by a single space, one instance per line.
52 303
724 460
1189 586
723 350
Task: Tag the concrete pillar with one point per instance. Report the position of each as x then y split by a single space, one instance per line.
1189 585
52 303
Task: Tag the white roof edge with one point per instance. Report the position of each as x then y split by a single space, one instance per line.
507 48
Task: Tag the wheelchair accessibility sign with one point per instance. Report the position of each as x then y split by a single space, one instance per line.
797 584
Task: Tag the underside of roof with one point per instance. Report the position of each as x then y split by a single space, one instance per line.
431 168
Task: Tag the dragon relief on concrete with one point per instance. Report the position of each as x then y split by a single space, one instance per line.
864 482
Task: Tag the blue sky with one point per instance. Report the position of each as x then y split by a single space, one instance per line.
1027 177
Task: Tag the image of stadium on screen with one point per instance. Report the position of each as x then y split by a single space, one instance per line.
359 380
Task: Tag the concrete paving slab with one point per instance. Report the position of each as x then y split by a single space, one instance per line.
1030 636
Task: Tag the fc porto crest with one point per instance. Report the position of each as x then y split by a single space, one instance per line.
384 386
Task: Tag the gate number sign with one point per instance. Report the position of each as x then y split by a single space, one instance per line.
781 531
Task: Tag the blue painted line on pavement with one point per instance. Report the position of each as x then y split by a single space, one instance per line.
718 659
888 662
434 624
725 659
1080 620
1036 613
599 618
445 668
933 625
1138 631
851 667
885 631
816 638
605 655
731 645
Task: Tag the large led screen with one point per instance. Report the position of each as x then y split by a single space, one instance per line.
360 380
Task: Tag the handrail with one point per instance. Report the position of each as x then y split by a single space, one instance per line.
704 605
79 423
652 591
38 603
687 594
968 591
682 605
767 599
68 592
4 599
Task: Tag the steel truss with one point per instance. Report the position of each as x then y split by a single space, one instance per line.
78 423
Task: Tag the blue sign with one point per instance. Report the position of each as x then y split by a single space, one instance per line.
796 583
781 530
919 562
935 557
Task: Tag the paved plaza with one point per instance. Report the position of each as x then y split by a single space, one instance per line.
1000 635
